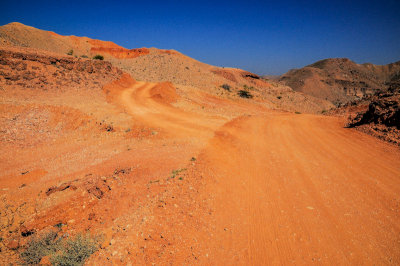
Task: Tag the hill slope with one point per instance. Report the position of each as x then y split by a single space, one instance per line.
340 80
156 65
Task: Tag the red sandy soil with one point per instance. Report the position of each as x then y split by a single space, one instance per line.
172 175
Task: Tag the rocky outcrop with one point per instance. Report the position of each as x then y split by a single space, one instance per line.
384 110
382 117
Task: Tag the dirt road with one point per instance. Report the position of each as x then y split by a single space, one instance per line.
288 188
196 186
301 189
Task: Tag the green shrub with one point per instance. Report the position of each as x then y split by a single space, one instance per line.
247 87
84 56
226 87
297 113
60 251
245 94
39 247
174 173
75 251
98 57
70 52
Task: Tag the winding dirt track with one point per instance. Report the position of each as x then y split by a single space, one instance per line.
289 188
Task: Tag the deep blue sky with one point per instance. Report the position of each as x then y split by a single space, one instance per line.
265 37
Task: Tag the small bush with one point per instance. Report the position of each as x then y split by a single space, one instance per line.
60 251
247 87
245 94
226 87
98 57
279 97
297 113
84 56
174 173
39 247
75 251
70 52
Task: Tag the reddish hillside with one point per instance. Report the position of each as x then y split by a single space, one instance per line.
156 65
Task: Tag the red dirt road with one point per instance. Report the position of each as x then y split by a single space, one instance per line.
301 189
196 187
289 188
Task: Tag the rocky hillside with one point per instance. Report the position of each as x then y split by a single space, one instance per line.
156 65
341 80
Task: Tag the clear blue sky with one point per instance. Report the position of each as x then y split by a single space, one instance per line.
265 37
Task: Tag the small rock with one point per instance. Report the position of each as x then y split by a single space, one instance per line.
45 261
13 244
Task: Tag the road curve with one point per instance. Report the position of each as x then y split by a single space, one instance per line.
138 102
288 188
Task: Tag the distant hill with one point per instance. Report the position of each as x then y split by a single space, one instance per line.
341 80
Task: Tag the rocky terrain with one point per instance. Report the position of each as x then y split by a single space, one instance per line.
341 80
157 65
151 157
377 114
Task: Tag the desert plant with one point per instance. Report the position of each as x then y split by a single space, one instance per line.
226 87
174 173
60 251
245 94
84 56
75 251
279 97
70 52
39 247
98 57
297 113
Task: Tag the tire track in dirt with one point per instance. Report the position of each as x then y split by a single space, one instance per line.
139 103
288 188
301 189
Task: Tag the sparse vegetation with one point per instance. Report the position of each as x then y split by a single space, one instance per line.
60 251
84 56
226 87
98 57
174 173
245 94
279 97
39 247
247 87
70 52
297 113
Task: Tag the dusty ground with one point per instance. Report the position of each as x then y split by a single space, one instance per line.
171 174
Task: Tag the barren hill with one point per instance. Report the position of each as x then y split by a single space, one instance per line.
341 80
99 168
156 65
